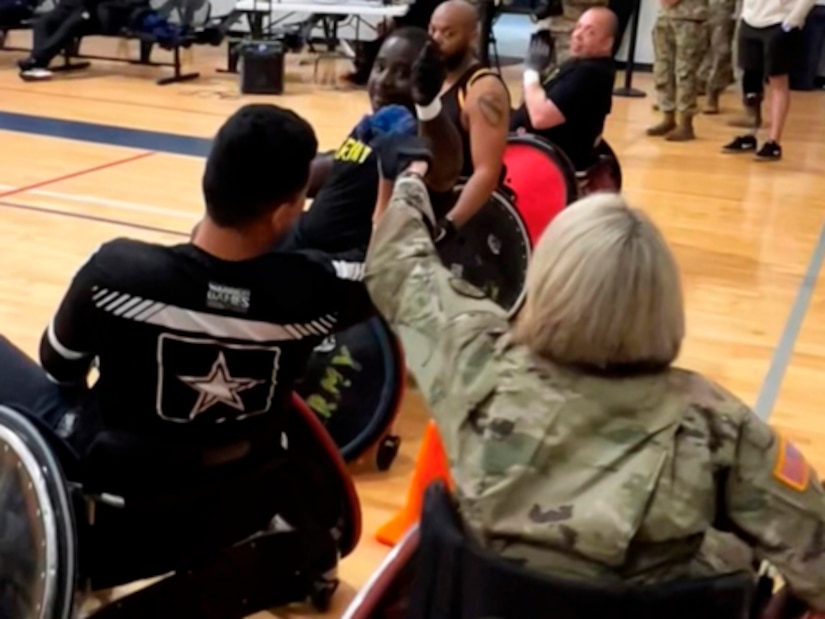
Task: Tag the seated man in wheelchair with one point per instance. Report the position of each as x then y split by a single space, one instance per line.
405 80
577 449
197 347
569 107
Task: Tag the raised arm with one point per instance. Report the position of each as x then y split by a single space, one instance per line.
544 113
434 125
488 115
447 327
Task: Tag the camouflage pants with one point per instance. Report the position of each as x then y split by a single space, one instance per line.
562 27
716 71
678 45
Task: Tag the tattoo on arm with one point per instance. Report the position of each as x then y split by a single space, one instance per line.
493 108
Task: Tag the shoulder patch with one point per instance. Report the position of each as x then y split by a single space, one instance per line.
465 288
791 468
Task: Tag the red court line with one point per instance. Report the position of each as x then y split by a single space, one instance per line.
65 177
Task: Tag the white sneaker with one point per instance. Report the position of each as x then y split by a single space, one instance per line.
36 74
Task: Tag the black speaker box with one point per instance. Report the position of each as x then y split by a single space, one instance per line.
262 67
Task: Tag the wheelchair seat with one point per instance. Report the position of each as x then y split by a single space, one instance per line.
250 532
454 577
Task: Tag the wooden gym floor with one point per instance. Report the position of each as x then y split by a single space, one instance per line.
748 235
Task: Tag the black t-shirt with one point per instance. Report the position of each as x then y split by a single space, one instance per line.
340 218
192 349
582 89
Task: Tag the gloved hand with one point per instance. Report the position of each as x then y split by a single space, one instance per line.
541 52
389 120
428 75
397 151
548 8
444 231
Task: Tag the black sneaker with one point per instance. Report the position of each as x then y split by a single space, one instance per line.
770 151
741 144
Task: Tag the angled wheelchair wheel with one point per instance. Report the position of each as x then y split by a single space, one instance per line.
540 179
386 593
606 174
38 556
354 384
331 495
491 252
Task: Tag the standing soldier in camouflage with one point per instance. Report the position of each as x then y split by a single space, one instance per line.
562 26
575 446
679 42
716 72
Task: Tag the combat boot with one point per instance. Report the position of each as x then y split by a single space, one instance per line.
684 131
668 124
712 103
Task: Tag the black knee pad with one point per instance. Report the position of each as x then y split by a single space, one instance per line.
753 88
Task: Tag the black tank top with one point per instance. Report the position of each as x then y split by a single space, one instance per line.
452 102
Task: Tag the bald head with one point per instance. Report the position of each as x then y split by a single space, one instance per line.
594 34
459 14
454 27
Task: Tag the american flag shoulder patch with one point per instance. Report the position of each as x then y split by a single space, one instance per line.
791 467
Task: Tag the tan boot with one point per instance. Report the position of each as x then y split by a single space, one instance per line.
668 123
684 131
712 103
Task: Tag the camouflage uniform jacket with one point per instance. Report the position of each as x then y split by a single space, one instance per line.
580 475
686 9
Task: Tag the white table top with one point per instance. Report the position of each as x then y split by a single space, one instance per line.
331 7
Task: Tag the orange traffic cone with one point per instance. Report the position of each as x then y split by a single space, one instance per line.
430 465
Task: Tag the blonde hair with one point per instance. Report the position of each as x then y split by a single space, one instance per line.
603 289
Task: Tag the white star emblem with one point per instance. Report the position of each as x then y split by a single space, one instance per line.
218 387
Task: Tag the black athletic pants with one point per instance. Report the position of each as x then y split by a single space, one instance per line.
25 387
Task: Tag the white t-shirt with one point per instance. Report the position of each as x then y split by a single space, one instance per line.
764 13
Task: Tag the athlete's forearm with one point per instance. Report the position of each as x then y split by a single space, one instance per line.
474 195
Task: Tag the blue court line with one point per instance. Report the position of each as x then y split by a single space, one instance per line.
106 134
784 349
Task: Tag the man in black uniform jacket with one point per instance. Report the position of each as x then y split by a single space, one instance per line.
407 73
197 344
570 108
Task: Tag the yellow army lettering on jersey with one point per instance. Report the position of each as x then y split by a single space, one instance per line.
353 151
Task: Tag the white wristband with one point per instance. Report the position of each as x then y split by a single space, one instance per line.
429 111
531 77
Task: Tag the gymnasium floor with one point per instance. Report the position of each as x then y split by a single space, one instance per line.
106 153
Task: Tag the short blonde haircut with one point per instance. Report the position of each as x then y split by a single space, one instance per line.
603 289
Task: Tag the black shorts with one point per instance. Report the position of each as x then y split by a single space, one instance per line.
770 51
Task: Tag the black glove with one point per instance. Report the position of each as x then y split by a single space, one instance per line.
548 8
397 151
445 230
428 75
541 53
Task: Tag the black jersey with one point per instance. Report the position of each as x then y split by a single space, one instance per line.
340 218
191 348
453 102
582 89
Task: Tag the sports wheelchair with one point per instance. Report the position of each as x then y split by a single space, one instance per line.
234 530
493 249
354 384
439 571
